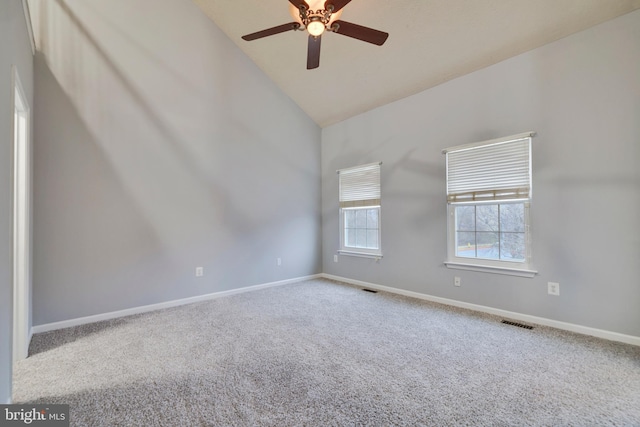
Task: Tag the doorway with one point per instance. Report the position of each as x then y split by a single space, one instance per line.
21 220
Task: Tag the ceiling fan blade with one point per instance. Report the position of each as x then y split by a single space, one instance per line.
337 4
359 32
272 31
299 3
313 52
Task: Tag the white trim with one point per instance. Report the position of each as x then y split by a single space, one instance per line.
27 17
358 167
512 268
505 139
346 252
521 272
358 251
159 306
21 218
584 330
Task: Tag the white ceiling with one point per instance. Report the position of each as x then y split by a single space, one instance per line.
430 42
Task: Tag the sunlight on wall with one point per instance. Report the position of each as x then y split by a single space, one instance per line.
116 85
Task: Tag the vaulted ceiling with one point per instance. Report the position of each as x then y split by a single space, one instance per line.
430 42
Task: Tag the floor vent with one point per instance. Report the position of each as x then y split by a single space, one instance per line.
370 290
519 325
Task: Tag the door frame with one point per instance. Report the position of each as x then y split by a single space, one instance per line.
21 218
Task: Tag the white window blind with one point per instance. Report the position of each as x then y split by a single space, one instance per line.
498 169
360 186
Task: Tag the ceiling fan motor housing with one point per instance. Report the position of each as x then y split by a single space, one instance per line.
315 18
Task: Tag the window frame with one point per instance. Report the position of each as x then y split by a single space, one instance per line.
516 268
357 251
360 189
510 267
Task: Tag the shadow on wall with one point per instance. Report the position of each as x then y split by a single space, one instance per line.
407 176
78 195
179 161
235 112
144 151
157 159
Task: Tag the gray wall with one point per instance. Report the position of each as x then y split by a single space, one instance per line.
15 49
160 147
582 96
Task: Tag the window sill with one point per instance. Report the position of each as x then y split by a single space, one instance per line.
521 272
360 254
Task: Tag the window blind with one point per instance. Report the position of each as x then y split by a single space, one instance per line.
499 169
360 186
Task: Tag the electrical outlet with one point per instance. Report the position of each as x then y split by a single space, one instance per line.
199 271
279 262
553 288
457 281
335 258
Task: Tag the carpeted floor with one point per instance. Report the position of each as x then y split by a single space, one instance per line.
320 353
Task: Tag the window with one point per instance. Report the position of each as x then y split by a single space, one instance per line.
488 195
491 231
359 195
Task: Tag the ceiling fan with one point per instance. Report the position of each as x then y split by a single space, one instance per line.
308 15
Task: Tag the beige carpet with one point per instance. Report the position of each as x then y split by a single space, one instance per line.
321 353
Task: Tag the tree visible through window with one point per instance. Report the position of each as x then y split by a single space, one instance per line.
491 231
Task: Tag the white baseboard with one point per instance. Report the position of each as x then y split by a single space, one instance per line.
152 307
585 330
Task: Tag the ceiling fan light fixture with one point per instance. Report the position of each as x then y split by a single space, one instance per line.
315 27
